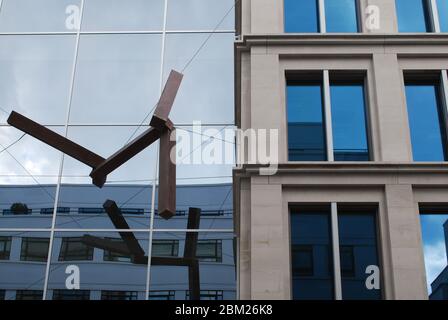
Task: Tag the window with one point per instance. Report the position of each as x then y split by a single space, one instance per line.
5 248
119 295
165 248
91 210
34 249
209 250
71 294
306 129
301 16
302 257
162 295
413 15
442 6
358 250
29 294
207 295
434 224
73 249
2 294
425 113
349 121
341 15
60 210
115 256
311 232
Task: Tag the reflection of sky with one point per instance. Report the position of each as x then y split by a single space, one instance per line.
116 81
434 245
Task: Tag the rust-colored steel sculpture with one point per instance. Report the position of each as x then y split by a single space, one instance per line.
161 128
129 246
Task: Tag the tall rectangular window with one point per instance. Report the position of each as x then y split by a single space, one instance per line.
442 6
434 224
413 15
349 121
34 249
426 120
341 16
358 252
311 253
306 129
301 16
5 248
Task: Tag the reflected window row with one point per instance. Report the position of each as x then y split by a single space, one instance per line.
114 15
74 249
308 106
63 294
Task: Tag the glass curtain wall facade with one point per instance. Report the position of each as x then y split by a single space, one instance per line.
93 70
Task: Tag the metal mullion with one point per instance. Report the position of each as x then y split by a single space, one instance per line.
154 185
322 21
336 256
435 21
328 117
61 164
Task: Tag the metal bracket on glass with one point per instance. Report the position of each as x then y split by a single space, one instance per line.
161 128
129 246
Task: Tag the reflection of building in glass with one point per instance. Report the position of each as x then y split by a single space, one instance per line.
110 275
440 285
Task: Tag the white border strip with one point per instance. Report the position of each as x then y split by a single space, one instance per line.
328 118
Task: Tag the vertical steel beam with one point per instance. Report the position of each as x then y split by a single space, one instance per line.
167 175
336 256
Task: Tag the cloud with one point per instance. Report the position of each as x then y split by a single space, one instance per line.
435 261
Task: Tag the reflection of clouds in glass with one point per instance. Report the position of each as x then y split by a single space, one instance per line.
35 75
435 261
199 14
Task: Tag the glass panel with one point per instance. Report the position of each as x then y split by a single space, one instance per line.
349 122
200 14
435 248
207 91
35 76
117 78
103 279
443 14
301 16
170 280
358 251
312 269
37 15
22 271
341 16
306 131
216 208
64 294
413 16
427 131
118 15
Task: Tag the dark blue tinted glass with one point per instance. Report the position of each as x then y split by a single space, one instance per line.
435 249
425 122
306 132
341 16
349 122
358 250
443 14
413 15
301 16
312 270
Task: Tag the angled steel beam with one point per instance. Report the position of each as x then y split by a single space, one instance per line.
55 140
120 223
167 176
99 174
160 117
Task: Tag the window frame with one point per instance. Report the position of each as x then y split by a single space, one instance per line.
5 247
129 295
24 254
64 252
217 257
